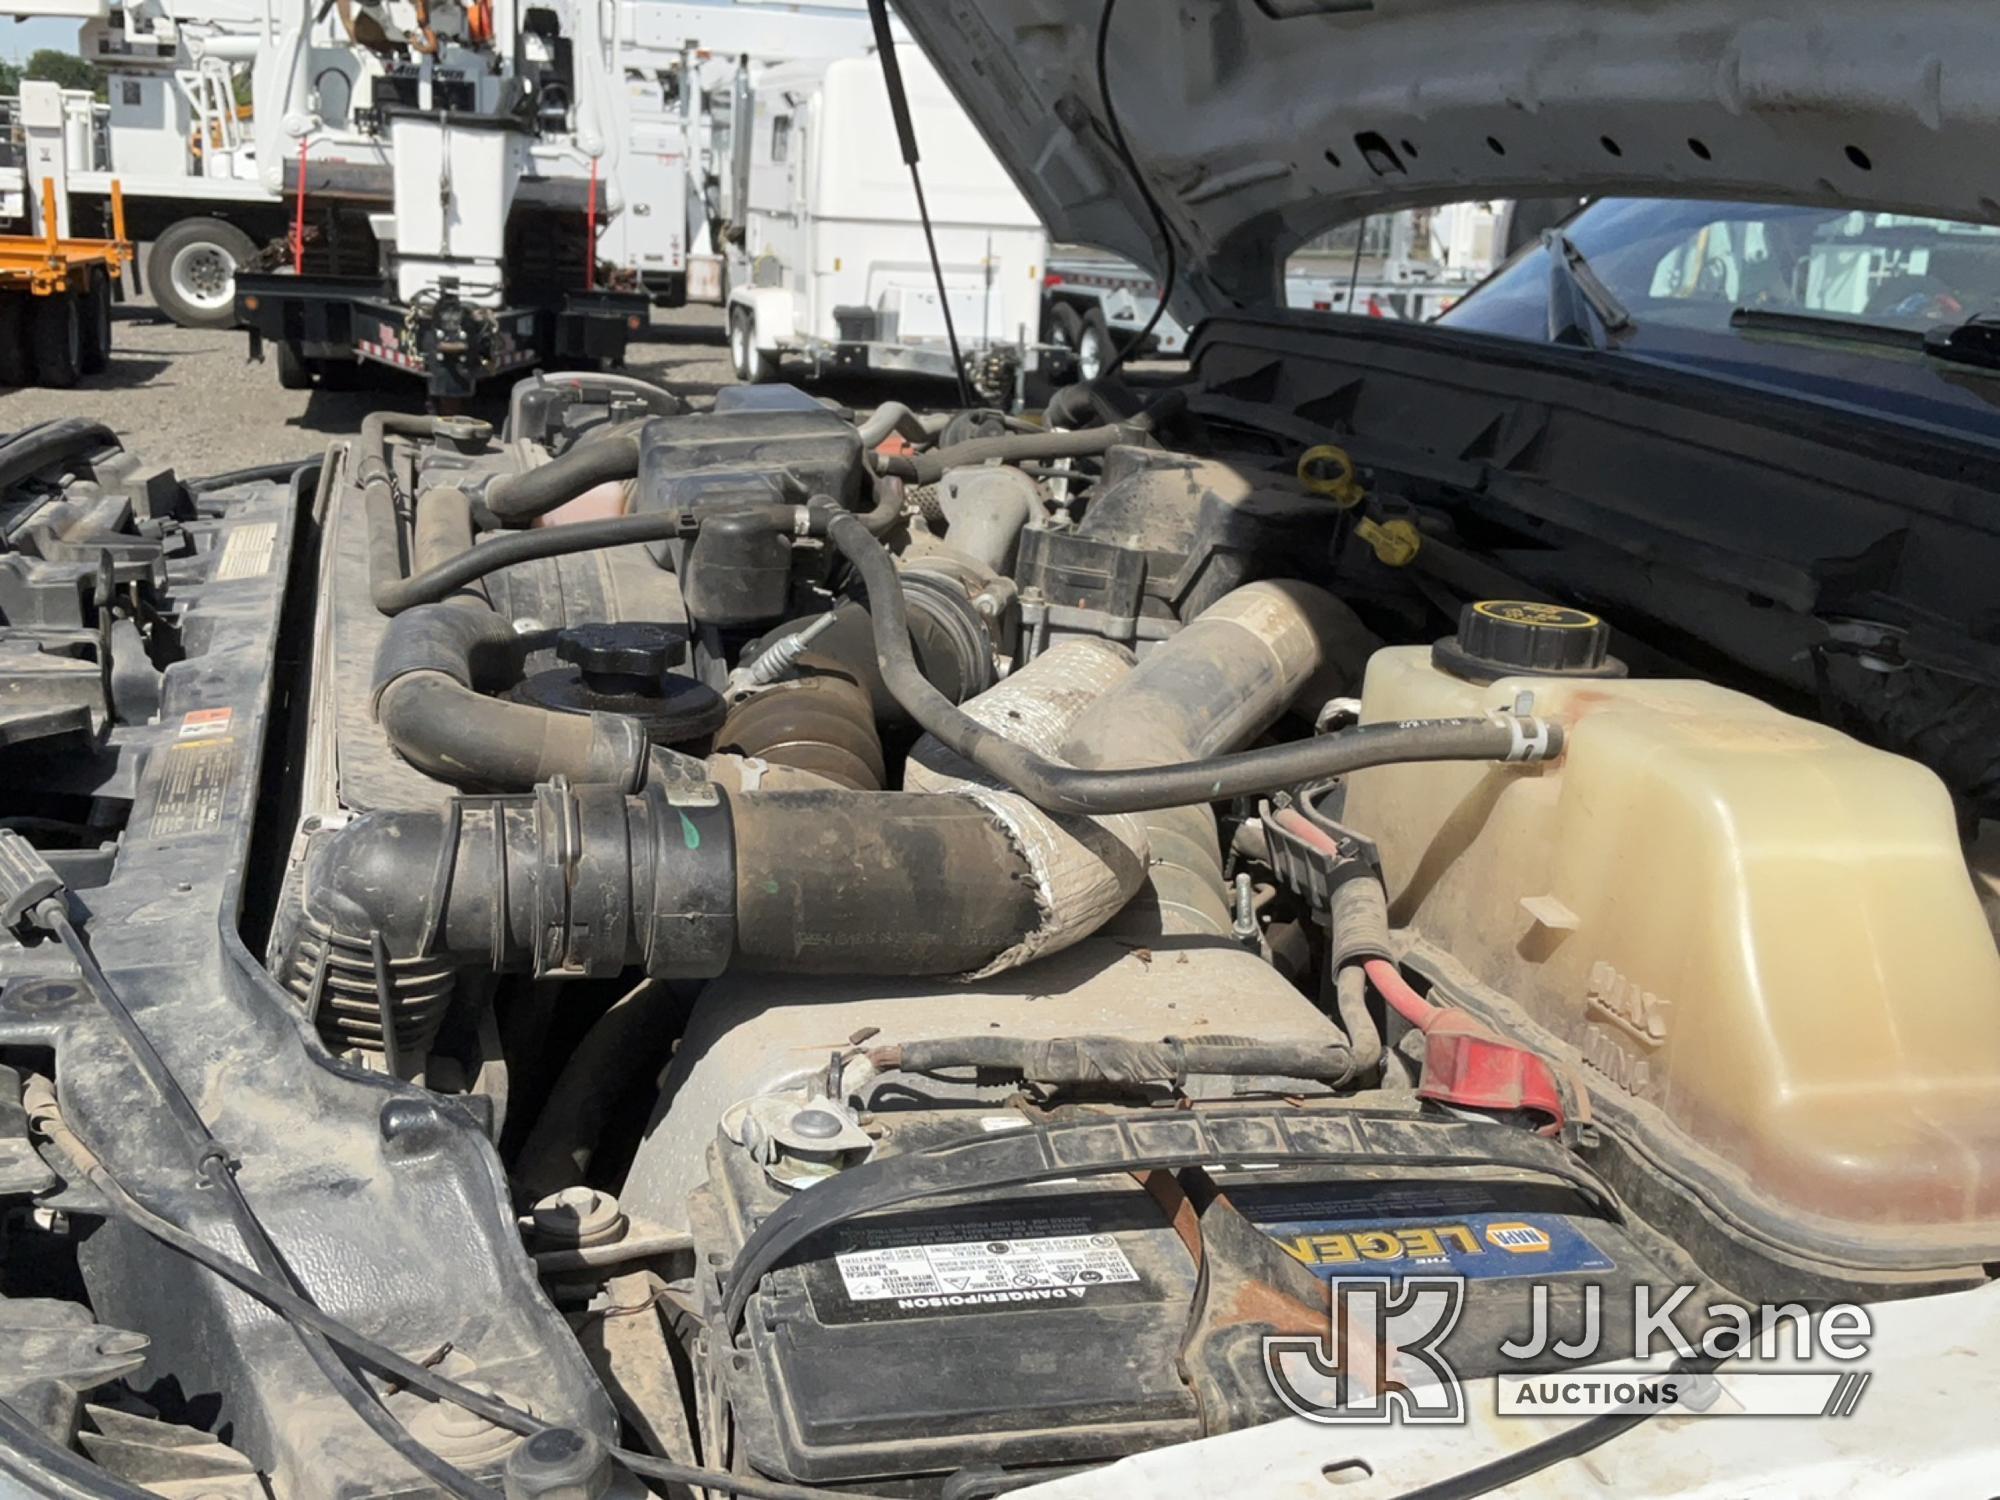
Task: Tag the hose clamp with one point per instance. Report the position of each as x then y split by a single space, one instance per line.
1534 739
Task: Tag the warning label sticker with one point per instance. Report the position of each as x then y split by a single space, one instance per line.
247 552
195 776
1028 1271
985 1266
205 724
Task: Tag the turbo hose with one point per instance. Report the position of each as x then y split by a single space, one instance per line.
1060 788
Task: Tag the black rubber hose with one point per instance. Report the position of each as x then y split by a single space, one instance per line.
1364 1037
446 578
840 882
631 1037
888 508
514 499
929 468
428 672
256 474
48 443
1059 788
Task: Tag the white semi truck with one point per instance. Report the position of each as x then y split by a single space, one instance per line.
679 69
829 263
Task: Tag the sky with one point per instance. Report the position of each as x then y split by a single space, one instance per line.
21 39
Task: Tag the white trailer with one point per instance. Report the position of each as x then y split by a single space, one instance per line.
1094 305
1411 265
832 264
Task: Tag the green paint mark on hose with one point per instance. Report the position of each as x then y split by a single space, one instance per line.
690 835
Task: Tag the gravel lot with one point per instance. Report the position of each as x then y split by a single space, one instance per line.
191 398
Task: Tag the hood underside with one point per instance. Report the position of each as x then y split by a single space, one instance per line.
1260 123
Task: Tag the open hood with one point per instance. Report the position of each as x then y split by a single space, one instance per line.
1260 123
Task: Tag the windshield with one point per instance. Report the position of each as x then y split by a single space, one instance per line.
1697 280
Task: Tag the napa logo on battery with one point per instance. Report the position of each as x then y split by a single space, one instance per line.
1475 1246
1520 1239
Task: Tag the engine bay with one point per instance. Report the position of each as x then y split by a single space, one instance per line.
894 951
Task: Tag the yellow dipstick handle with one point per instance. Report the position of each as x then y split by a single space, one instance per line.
1327 470
1396 543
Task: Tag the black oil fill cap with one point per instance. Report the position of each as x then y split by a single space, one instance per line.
1521 637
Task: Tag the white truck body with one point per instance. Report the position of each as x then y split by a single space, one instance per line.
677 66
186 159
833 264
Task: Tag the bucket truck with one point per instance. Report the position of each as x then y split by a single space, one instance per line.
446 167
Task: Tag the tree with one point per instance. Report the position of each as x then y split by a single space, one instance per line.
10 78
66 70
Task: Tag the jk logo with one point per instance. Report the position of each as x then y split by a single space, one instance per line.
1382 1359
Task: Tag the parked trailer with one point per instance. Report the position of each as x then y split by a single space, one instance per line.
1093 306
55 298
832 265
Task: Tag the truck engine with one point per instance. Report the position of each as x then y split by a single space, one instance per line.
770 948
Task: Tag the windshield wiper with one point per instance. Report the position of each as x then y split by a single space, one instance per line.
1975 342
1572 282
1823 326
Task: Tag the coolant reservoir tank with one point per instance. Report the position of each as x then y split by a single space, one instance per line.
1757 935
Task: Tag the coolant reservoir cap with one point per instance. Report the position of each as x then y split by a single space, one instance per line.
1512 637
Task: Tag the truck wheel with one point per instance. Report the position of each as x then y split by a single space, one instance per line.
343 374
16 367
55 333
753 365
294 374
192 271
95 310
1065 330
1065 326
1094 349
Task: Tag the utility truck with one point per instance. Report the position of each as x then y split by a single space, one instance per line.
828 262
172 132
445 193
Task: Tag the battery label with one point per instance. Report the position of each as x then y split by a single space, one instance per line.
982 1268
1453 1229
1013 1268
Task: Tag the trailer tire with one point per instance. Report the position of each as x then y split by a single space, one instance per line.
1065 326
17 367
1094 347
55 333
294 374
95 310
753 365
343 374
192 271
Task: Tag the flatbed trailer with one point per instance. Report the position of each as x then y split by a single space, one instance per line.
326 326
55 298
